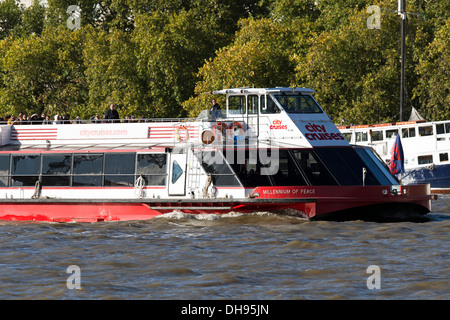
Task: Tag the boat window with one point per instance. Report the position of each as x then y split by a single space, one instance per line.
236 104
442 128
177 172
247 166
296 103
408 132
347 136
56 169
153 168
375 166
443 157
26 164
87 170
252 104
361 136
346 166
215 165
288 172
315 171
377 135
268 106
25 170
119 169
425 159
4 170
391 133
87 163
425 131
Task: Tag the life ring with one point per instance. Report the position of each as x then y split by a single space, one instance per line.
179 135
220 127
237 128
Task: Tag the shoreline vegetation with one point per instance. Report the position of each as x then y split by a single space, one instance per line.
157 59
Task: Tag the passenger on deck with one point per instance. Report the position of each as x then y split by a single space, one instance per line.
215 110
12 120
111 114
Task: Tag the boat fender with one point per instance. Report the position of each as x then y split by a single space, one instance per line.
139 185
207 184
179 135
37 190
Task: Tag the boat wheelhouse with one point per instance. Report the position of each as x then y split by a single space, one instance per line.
271 149
426 147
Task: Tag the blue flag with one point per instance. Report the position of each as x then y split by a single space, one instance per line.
397 163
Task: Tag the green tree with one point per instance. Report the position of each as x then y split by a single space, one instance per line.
260 56
356 70
111 74
171 49
10 17
433 70
42 73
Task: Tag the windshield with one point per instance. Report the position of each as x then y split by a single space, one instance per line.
296 103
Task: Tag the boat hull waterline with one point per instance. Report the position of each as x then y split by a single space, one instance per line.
319 203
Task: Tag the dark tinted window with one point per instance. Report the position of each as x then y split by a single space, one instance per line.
215 164
119 169
87 163
26 164
153 168
25 170
314 170
87 170
120 163
4 170
346 166
56 163
56 169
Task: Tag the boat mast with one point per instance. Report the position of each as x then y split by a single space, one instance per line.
402 13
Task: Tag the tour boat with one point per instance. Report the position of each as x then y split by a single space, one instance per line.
269 150
426 148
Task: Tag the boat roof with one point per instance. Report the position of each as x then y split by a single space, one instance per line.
263 90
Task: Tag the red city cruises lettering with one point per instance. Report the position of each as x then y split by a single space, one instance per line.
319 132
276 124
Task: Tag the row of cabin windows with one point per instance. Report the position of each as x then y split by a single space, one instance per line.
295 167
291 103
427 159
377 135
82 169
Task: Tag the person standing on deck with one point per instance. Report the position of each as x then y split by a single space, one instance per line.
215 110
112 115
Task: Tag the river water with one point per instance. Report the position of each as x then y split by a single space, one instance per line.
207 257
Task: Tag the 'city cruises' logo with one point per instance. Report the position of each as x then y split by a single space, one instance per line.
276 124
319 132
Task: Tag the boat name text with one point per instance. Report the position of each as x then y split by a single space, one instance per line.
289 191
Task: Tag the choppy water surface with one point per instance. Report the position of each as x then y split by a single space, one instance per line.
261 256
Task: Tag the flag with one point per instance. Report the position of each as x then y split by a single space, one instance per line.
397 163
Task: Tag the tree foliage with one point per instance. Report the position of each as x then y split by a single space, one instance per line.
156 58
